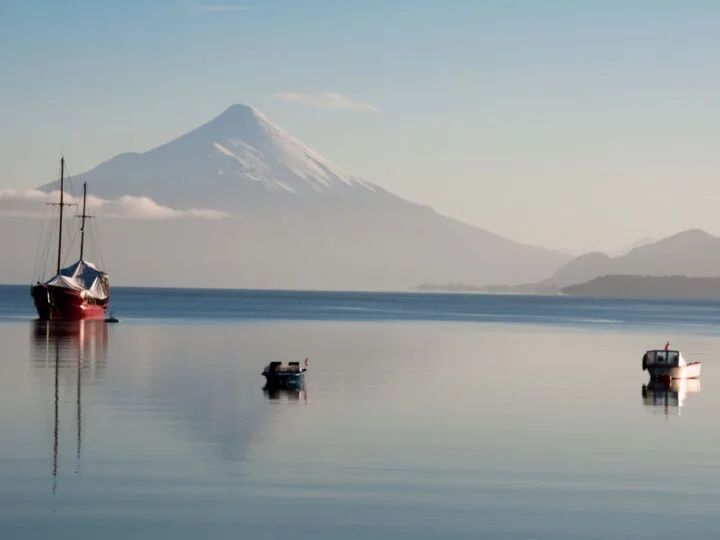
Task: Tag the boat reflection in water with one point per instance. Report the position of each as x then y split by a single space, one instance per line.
662 395
72 345
76 353
286 393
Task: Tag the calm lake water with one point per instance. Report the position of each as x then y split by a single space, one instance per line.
423 416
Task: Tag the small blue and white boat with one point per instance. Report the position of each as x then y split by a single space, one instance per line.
280 375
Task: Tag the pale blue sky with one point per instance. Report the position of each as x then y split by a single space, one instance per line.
567 124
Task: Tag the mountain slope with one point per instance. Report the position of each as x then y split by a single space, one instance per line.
619 286
298 220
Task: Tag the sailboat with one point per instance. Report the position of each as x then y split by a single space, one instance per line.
79 291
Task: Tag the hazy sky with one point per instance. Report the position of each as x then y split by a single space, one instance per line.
569 124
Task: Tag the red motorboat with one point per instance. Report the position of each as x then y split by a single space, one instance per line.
76 292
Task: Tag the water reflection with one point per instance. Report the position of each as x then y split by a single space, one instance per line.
658 394
75 352
80 346
286 394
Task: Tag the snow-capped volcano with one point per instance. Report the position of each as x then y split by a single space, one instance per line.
300 220
239 160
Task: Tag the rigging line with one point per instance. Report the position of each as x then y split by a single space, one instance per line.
90 246
48 245
61 230
39 250
92 238
101 255
98 246
72 236
86 227
43 245
73 231
42 236
68 179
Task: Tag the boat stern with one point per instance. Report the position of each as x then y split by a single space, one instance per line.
41 298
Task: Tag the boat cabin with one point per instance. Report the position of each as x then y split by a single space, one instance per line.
661 357
278 367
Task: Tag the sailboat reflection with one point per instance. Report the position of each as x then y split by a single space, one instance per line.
78 343
76 351
293 393
658 393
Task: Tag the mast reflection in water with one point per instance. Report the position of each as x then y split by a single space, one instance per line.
666 396
76 352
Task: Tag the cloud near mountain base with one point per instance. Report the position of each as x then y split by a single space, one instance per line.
33 203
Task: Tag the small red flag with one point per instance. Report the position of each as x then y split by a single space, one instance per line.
306 362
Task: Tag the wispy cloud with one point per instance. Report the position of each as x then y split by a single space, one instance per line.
221 8
31 202
326 100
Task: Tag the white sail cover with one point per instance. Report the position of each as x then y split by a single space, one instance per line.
82 276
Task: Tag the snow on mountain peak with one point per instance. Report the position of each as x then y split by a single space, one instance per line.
272 156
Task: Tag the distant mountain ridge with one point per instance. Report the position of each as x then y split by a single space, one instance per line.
693 253
298 220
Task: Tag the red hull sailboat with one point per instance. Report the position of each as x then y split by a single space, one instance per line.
79 291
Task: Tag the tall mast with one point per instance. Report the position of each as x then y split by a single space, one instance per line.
62 190
61 204
82 223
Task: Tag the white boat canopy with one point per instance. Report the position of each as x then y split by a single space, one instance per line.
82 276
